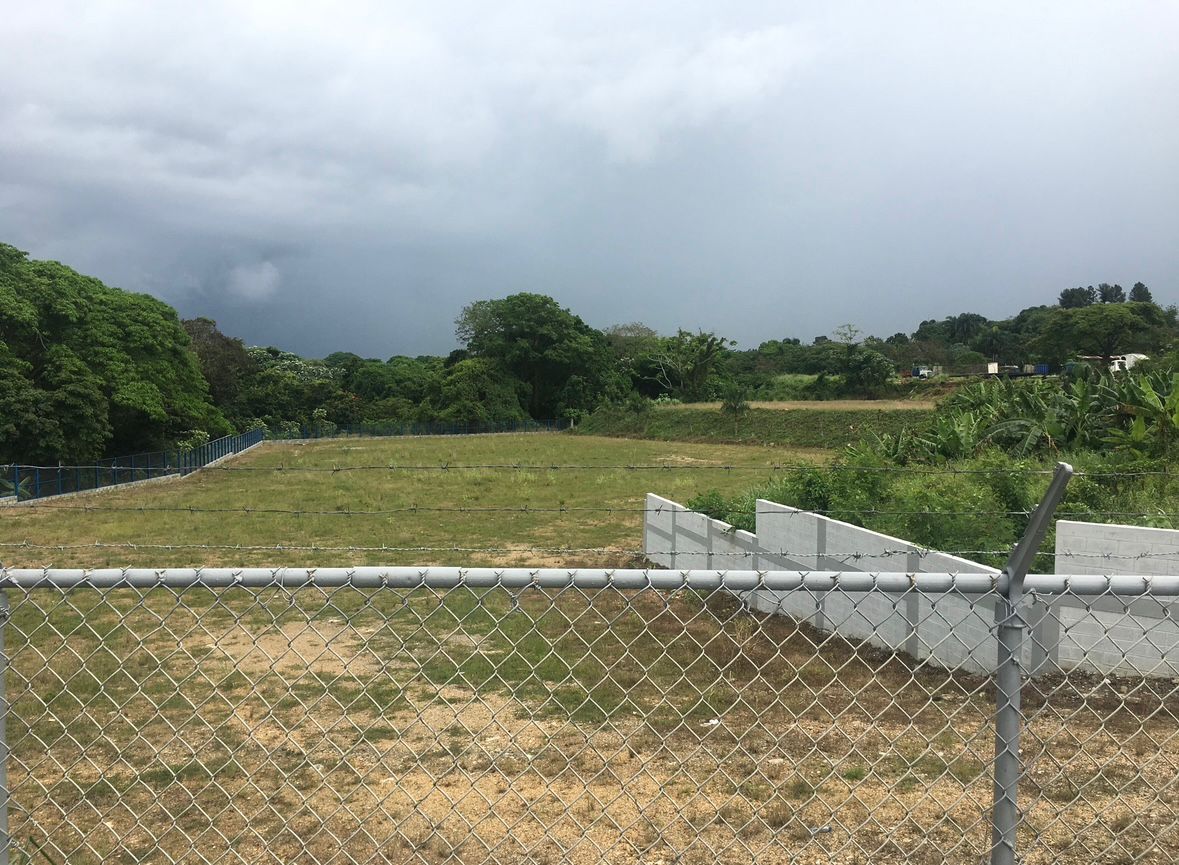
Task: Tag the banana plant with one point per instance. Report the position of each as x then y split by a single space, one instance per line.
1151 405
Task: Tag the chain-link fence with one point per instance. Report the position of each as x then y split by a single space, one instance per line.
851 713
446 715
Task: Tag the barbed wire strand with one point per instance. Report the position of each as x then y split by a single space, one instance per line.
559 509
635 467
635 551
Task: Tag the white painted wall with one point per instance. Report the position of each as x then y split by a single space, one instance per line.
1118 634
1105 635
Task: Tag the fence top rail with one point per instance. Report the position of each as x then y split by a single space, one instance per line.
587 578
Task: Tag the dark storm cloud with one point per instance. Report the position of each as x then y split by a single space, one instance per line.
349 177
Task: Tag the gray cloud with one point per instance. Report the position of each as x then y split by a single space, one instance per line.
348 178
254 282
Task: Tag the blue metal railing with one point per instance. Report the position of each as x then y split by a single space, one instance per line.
38 482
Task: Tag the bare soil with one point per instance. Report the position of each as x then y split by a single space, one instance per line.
578 727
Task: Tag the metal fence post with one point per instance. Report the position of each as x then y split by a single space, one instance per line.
1009 636
5 840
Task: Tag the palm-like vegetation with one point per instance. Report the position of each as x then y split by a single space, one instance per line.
1136 412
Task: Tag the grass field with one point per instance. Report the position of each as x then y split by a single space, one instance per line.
270 477
494 727
803 425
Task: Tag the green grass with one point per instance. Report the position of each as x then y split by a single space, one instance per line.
157 708
795 427
337 493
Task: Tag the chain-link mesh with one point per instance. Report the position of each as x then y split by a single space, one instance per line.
567 725
1100 773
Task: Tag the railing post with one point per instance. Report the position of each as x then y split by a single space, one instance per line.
5 839
1009 636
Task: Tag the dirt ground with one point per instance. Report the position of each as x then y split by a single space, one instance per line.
549 727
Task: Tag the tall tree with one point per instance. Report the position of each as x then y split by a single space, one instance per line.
965 326
1140 294
90 370
1103 330
1072 298
1111 293
687 362
542 344
224 360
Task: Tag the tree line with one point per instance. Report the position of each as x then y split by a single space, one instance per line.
87 370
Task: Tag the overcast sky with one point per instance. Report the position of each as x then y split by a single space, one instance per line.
348 176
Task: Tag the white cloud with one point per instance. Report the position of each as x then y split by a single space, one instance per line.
254 282
634 100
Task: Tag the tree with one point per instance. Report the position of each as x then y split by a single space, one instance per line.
1111 293
224 360
543 345
868 370
1072 298
630 340
965 326
89 370
686 363
931 330
476 391
847 334
735 404
1140 294
1102 330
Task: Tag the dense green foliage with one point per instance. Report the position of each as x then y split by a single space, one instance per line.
966 481
1135 414
960 343
979 510
794 427
86 369
564 365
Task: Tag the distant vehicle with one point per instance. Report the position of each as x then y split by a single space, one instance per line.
1125 361
922 372
1117 362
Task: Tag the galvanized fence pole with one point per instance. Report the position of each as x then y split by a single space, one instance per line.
1010 628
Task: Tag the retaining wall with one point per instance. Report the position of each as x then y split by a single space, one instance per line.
1135 634
1107 635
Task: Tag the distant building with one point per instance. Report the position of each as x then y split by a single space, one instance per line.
1117 362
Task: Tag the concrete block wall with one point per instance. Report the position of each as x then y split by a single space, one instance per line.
1098 548
952 631
1126 636
675 537
1111 636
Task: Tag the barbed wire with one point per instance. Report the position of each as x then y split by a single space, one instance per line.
563 509
635 467
632 551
